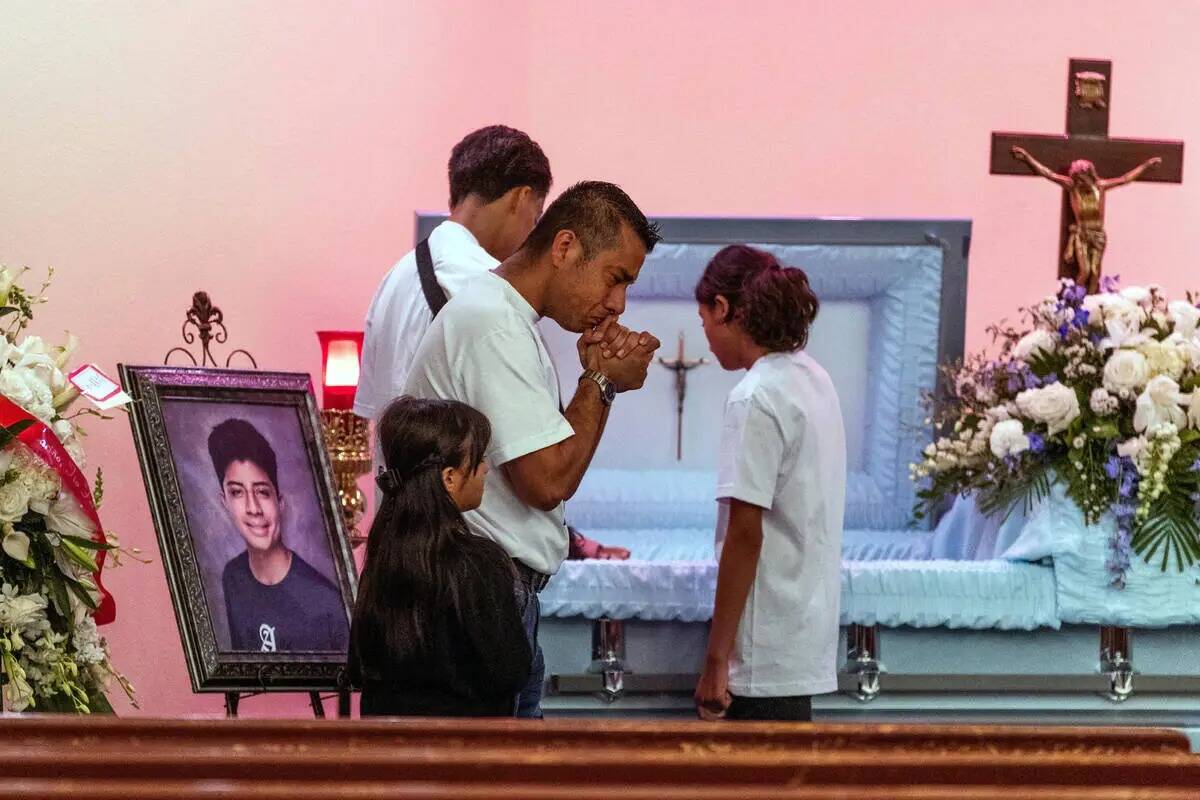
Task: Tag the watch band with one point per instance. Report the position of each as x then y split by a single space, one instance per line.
608 390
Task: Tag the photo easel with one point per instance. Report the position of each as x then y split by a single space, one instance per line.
232 699
207 321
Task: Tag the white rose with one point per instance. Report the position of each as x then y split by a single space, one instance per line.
1126 371
1130 315
42 404
1008 438
1056 405
16 543
1034 342
1164 358
1136 294
1132 448
14 501
998 413
14 387
1185 317
39 364
1159 404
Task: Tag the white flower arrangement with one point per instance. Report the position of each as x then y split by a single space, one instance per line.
52 656
1100 392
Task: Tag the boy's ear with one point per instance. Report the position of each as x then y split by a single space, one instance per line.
721 307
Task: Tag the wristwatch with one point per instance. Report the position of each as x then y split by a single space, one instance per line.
608 390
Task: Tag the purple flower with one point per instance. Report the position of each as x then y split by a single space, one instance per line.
1196 465
1081 318
1032 381
1049 379
1112 467
1109 283
1127 484
1063 331
1036 443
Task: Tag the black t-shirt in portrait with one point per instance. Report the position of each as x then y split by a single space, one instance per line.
303 611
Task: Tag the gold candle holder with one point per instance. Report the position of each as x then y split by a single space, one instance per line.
348 441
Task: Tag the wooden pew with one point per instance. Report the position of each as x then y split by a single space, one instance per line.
606 766
288 790
473 759
588 735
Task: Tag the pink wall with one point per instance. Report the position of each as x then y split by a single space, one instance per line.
273 155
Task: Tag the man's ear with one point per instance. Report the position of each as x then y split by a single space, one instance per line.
565 248
517 196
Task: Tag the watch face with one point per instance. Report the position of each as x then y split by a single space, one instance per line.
610 391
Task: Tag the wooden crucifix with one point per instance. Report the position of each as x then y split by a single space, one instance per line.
1077 160
680 367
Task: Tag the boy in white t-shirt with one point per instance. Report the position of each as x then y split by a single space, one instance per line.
781 488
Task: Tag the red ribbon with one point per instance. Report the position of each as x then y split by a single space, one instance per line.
46 446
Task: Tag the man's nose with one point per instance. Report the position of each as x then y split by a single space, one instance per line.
616 301
253 505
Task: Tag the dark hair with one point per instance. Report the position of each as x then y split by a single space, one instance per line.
415 570
594 211
238 440
492 160
772 303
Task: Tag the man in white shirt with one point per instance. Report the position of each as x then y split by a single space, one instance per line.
499 179
484 350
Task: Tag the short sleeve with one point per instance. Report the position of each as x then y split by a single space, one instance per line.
503 376
752 450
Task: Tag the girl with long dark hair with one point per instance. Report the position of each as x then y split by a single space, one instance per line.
781 483
436 628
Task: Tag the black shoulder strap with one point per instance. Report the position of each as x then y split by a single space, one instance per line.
435 296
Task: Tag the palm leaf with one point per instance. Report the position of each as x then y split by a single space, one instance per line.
1172 530
1028 491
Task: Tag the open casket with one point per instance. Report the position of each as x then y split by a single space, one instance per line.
973 615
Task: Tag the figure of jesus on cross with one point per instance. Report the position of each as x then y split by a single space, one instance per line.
1086 238
1088 151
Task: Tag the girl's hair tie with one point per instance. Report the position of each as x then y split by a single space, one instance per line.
390 480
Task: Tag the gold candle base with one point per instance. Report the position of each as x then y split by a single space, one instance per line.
348 442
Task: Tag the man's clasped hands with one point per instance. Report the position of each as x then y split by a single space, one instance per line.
620 354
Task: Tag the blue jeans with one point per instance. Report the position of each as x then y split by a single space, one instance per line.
529 701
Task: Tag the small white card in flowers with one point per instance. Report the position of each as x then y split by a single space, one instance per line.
102 390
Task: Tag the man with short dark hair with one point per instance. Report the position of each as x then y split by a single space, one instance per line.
484 350
274 600
499 179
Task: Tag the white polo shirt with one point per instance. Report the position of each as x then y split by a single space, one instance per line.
484 350
399 314
783 449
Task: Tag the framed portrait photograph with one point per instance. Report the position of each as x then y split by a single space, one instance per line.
252 538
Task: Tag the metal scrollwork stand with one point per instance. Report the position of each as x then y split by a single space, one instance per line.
209 323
